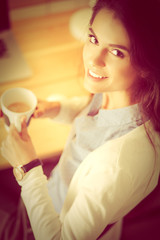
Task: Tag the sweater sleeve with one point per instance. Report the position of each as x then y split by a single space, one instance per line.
92 210
44 220
70 107
110 182
88 209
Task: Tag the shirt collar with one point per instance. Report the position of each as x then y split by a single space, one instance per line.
120 116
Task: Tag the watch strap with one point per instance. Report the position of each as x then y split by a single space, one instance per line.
34 163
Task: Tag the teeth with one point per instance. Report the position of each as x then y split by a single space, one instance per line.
95 75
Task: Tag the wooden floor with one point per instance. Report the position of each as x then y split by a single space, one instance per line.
55 58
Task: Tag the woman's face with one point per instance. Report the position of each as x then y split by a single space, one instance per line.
106 56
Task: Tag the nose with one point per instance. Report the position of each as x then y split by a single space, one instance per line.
99 58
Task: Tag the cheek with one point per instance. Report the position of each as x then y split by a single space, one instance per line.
126 73
131 75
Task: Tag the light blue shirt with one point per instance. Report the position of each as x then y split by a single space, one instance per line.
91 130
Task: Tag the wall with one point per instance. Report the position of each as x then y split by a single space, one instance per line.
34 8
15 4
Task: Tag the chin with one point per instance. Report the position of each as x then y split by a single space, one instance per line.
93 88
90 88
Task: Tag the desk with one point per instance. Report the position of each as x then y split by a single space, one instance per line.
56 59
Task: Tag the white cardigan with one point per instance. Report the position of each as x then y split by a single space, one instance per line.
110 182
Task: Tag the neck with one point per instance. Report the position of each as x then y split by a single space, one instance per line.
114 100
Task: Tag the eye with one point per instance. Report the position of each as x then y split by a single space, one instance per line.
117 53
92 39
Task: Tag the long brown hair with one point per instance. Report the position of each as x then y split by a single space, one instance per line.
141 19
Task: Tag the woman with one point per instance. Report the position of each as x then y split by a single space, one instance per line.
111 160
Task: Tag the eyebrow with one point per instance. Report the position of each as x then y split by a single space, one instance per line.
112 45
119 46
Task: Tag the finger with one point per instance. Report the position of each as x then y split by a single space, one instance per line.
38 113
24 133
2 148
23 121
13 134
12 130
7 153
35 115
5 149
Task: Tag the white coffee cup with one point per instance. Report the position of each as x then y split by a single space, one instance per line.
15 103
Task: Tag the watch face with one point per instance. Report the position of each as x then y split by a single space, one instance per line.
18 173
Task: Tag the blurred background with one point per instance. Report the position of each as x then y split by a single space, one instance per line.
24 20
41 44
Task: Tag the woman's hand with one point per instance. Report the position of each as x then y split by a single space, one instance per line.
46 109
18 149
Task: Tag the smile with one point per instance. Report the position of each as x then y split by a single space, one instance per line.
92 74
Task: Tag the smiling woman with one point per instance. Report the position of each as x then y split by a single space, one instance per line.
111 161
107 60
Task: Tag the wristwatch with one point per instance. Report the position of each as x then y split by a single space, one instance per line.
20 171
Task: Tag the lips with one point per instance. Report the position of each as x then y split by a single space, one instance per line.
96 76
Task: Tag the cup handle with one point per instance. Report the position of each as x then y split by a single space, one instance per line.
17 123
